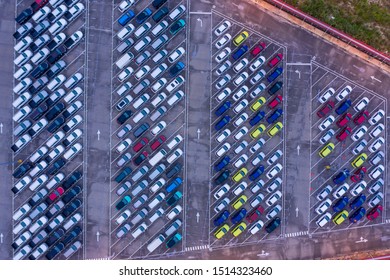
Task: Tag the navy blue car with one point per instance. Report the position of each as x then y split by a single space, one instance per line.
240 52
126 17
343 107
160 14
176 69
357 202
236 218
22 169
256 174
341 177
224 121
221 218
24 16
357 215
275 115
278 71
222 177
220 165
340 204
144 15
257 118
223 108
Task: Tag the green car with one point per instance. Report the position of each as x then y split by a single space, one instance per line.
174 240
126 200
125 172
173 199
177 26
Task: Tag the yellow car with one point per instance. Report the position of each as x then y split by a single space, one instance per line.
259 102
340 217
238 40
239 229
359 160
222 231
240 174
325 151
255 133
239 202
275 129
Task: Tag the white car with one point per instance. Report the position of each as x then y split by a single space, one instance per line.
22 253
240 147
222 191
58 26
375 200
324 193
38 126
55 139
241 106
326 95
258 90
73 108
140 100
358 188
56 152
258 77
376 186
176 54
72 221
124 5
220 56
343 93
260 143
223 135
38 182
158 128
224 203
327 136
273 212
376 117
274 157
174 212
38 224
176 97
276 183
124 145
377 130
240 119
223 27
74 39
159 99
55 181
22 225
259 158
56 82
73 94
273 198
175 141
240 65
57 13
125 31
124 88
22 86
241 78
23 71
324 219
175 83
21 184
240 188
23 30
240 93
125 74
42 165
21 142
123 217
224 93
221 151
376 172
377 158
158 70
242 132
274 171
41 14
40 56
177 12
341 190
23 44
23 210
175 155
23 58
142 72
361 104
256 227
376 145
323 206
240 161
38 154
223 81
72 81
223 68
22 113
74 11
326 123
359 133
223 41
21 100
159 84
257 199
257 63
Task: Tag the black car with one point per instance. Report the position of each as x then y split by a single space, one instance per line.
56 124
54 237
39 70
55 251
71 194
24 16
139 159
55 111
141 130
22 169
56 68
73 206
39 29
72 179
38 85
142 16
222 177
70 3
158 3
72 235
174 170
124 117
22 31
272 225
160 14
176 69
57 54
57 165
38 112
38 99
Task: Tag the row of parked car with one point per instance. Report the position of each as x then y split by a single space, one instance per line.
252 191
149 179
47 102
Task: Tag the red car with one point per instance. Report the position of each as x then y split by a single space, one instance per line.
359 119
160 140
375 212
255 214
277 58
258 49
55 194
344 134
141 143
358 175
328 106
274 102
344 119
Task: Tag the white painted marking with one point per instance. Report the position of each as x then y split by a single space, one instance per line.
263 254
298 149
1 237
201 22
97 236
197 217
296 212
98 135
198 132
362 240
1 128
200 13
298 63
299 73
375 79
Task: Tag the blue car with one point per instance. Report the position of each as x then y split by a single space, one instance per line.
144 15
221 218
174 185
357 202
238 216
343 107
340 204
223 108
224 121
176 69
275 115
357 215
220 165
256 119
126 17
256 174
341 177
275 74
240 52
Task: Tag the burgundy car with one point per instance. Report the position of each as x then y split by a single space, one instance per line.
359 119
328 106
159 141
255 214
140 144
344 134
258 49
358 175
277 58
344 119
375 212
